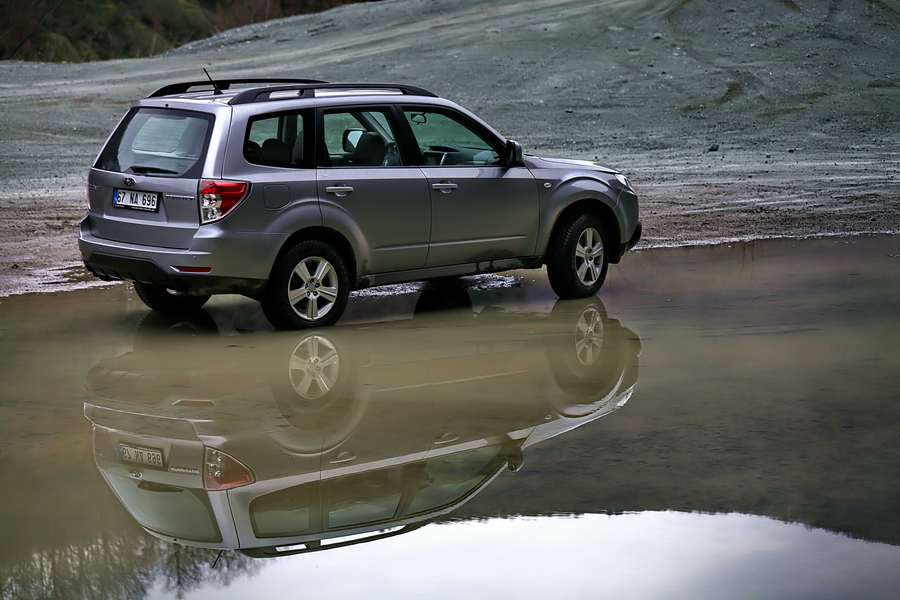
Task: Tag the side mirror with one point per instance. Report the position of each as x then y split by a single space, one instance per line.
513 153
515 459
350 139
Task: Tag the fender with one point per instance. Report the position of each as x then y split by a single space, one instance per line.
556 199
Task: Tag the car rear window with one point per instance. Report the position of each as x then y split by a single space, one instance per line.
158 142
174 511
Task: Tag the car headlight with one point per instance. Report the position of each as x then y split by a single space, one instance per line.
624 181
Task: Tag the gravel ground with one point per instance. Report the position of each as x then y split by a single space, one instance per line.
735 120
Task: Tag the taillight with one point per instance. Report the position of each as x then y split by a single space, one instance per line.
218 198
221 471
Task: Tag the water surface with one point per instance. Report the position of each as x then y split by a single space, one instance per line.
720 423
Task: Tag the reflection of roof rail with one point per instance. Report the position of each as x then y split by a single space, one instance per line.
277 87
318 545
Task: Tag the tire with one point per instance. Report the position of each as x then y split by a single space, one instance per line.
169 301
587 360
577 258
309 287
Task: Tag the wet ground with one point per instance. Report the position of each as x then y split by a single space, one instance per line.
722 422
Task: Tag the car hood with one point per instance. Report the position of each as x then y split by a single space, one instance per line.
539 162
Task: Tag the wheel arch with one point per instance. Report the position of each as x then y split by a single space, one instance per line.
323 234
598 208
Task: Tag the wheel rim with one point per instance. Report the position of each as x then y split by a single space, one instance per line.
589 256
589 337
312 288
314 367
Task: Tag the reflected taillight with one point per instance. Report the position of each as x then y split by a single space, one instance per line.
218 198
221 471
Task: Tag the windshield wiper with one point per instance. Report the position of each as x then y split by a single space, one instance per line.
151 170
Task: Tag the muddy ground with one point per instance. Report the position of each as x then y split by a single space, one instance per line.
734 120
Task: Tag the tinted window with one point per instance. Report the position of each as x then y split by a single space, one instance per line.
446 140
285 512
159 142
364 498
169 510
277 140
359 138
453 477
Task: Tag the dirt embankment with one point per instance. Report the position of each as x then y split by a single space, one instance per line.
736 120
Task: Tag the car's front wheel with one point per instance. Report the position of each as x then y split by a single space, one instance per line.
163 299
309 287
577 258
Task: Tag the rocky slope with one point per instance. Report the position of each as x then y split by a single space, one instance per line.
735 120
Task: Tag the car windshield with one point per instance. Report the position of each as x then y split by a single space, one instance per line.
160 142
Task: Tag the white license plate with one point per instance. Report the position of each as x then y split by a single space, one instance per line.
134 199
144 456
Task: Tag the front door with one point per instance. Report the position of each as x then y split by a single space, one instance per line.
480 209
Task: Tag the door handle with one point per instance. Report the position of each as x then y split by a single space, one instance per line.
339 190
444 187
446 438
342 458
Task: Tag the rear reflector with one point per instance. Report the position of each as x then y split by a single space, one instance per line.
193 269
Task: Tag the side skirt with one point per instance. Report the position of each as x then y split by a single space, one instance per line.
492 266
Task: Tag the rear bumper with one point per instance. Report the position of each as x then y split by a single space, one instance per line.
119 268
229 263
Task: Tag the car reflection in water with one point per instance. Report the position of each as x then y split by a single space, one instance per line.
281 443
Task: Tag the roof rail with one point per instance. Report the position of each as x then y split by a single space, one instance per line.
251 95
224 84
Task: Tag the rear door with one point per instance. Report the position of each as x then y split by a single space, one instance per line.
143 187
368 191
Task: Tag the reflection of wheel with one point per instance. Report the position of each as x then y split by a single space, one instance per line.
589 336
165 300
315 367
319 395
309 287
586 361
577 259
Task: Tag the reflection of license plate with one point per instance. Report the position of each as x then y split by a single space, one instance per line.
134 199
144 456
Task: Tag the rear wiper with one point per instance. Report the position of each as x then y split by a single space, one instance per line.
159 487
147 169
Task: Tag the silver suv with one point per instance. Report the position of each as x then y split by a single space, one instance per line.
296 192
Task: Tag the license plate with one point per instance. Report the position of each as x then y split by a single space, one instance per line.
143 456
137 200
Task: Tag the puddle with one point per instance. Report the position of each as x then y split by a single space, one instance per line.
721 423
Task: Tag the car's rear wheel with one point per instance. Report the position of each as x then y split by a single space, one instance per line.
309 287
163 299
577 258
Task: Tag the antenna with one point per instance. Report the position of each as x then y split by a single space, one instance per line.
216 90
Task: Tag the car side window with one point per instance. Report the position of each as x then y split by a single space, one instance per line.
359 138
277 140
447 141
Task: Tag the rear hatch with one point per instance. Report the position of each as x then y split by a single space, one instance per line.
143 187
